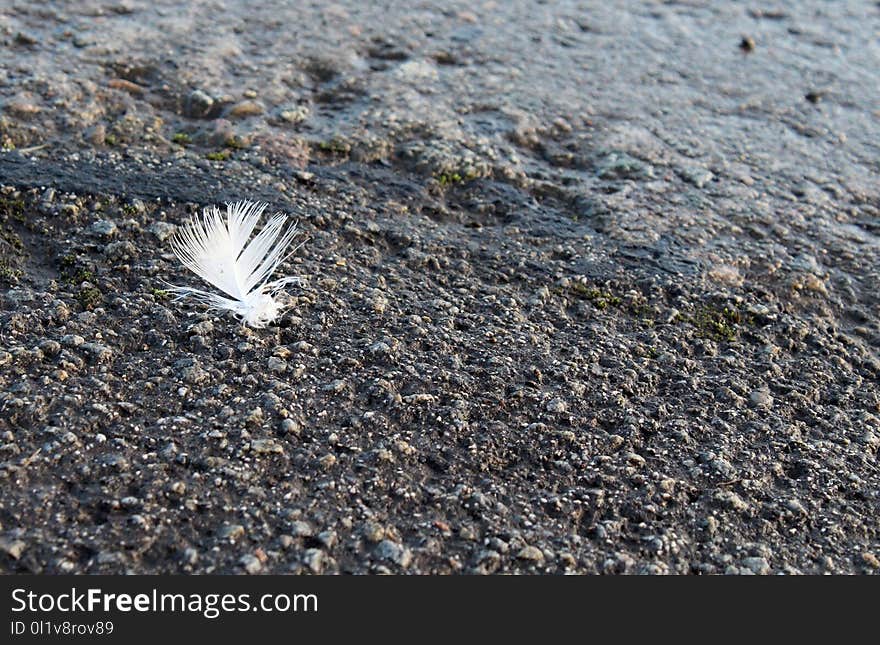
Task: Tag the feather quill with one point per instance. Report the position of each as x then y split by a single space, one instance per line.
216 248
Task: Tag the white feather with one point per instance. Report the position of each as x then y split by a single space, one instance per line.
216 248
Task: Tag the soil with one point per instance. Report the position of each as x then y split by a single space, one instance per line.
585 289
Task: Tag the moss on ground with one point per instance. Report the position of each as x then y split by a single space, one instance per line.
89 297
8 272
716 323
600 298
160 295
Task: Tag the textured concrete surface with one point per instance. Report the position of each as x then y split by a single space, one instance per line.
588 287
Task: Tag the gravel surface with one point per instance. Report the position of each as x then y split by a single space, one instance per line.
586 287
